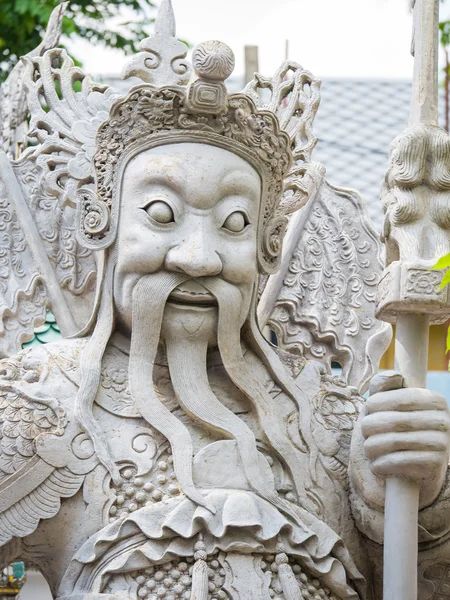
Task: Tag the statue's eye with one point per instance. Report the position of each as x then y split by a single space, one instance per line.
236 222
160 212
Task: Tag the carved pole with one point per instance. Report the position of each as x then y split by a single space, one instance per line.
425 49
408 291
251 62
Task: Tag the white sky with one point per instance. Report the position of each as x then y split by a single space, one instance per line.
337 38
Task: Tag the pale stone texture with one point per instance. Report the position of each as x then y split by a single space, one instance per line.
167 449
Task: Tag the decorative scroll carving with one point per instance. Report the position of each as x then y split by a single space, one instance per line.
423 282
408 284
326 306
50 172
162 60
14 109
434 579
23 297
295 99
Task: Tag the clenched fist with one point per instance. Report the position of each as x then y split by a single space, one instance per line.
401 432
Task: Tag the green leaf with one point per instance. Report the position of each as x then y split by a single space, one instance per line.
445 280
22 24
448 343
442 263
444 28
22 6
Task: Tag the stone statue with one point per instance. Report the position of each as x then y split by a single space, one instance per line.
165 448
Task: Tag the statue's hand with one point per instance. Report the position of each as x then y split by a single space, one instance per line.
401 432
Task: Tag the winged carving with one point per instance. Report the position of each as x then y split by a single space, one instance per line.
14 110
294 96
42 265
32 481
321 304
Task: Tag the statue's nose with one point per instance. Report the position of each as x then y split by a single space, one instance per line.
195 257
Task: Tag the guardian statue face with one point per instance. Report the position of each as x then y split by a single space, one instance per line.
190 209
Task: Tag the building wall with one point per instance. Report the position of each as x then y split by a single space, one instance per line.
437 358
36 588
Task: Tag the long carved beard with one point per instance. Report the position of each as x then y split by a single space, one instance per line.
187 358
189 377
149 300
252 386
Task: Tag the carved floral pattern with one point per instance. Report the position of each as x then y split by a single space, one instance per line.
116 380
423 282
337 405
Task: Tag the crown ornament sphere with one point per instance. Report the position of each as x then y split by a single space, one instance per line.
213 60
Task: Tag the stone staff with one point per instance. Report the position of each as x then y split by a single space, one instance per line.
416 201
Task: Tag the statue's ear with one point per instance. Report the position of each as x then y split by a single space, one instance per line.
272 243
95 228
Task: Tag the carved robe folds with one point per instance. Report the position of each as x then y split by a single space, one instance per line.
126 526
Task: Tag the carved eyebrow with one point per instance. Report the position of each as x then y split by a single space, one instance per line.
239 182
172 181
161 170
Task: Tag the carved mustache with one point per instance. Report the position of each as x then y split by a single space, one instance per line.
192 292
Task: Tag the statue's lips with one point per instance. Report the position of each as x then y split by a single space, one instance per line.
192 292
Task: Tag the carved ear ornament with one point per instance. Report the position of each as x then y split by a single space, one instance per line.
272 239
93 216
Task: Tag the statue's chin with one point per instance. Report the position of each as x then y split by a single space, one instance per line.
190 322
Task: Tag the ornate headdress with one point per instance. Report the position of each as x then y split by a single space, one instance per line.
170 107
